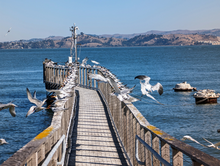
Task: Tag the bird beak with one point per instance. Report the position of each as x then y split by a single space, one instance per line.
48 107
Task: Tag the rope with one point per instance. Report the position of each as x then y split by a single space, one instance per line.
202 100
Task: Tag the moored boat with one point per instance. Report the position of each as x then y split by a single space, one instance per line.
206 96
184 86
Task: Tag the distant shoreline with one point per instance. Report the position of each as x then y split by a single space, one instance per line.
96 41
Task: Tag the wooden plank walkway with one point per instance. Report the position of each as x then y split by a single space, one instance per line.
94 141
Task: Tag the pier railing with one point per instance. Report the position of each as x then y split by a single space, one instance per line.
36 151
133 129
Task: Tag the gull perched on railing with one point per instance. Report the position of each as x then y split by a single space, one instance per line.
39 104
147 88
61 93
11 107
84 62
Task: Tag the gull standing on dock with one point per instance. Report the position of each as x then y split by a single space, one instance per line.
84 62
147 86
11 107
39 104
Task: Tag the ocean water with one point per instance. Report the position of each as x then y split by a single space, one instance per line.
178 116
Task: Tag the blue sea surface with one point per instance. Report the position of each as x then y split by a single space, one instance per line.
178 115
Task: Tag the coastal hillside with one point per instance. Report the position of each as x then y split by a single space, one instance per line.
97 41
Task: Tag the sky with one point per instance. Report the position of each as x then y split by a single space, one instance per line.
43 18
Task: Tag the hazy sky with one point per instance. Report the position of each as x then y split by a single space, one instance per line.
42 18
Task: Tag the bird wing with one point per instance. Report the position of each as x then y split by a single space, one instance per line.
141 77
127 90
12 110
158 87
114 85
35 96
3 106
85 60
217 144
191 139
95 62
132 99
31 111
42 103
97 77
148 95
31 99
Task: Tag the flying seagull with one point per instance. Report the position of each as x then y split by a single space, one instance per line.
191 139
39 104
2 141
11 107
213 145
95 62
147 88
8 32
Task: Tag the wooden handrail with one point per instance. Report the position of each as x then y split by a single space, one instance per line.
34 152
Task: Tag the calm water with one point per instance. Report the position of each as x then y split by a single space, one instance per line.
179 116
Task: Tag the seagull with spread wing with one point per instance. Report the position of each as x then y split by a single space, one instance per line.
215 146
39 104
11 107
147 88
187 137
8 32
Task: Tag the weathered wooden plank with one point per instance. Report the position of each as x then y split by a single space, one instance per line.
177 157
165 151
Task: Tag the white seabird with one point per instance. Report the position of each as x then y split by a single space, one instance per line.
2 141
147 86
11 107
8 32
122 94
84 62
213 145
187 137
39 104
95 62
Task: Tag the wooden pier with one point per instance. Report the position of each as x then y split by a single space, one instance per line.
94 141
99 129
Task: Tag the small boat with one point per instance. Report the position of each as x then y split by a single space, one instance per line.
206 96
184 86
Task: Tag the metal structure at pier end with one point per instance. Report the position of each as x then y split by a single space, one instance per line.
137 141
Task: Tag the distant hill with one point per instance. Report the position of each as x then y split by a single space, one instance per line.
151 38
214 32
